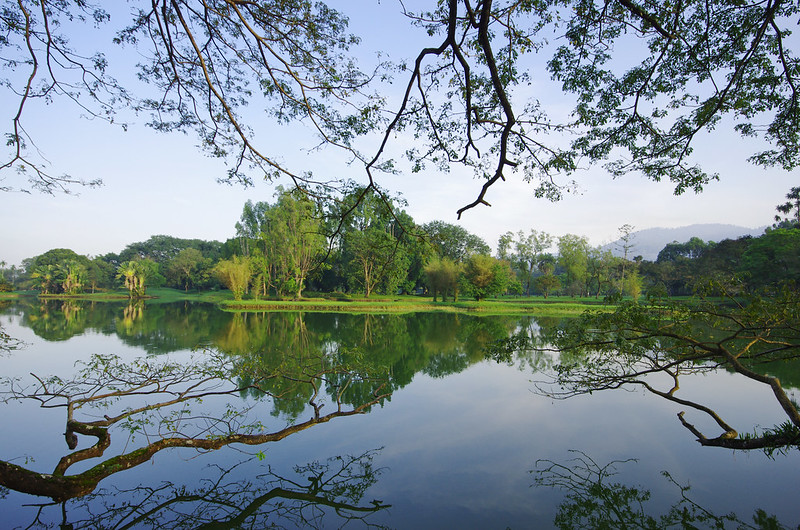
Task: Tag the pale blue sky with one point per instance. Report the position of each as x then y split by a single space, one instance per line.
161 184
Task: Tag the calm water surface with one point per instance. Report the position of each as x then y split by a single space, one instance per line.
462 442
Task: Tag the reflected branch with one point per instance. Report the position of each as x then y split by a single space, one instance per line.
168 390
655 344
595 500
314 495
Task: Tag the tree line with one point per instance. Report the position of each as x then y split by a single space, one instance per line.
366 244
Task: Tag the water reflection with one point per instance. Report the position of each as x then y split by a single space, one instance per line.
460 434
647 347
304 369
312 495
155 405
394 346
597 498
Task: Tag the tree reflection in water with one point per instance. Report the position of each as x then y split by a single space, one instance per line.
264 375
317 494
159 404
594 500
659 344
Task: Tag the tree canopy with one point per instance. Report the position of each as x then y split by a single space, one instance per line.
646 80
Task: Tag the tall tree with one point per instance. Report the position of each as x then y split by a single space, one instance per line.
527 251
137 274
376 258
127 273
600 265
235 274
372 234
453 241
625 244
294 238
5 285
548 281
43 277
573 256
443 277
100 274
487 276
188 267
285 241
251 225
72 275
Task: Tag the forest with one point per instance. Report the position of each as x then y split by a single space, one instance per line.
364 245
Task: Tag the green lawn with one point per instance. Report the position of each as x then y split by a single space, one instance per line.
407 304
338 302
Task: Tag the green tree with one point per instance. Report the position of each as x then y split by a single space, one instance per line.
188 267
59 270
632 285
418 251
43 277
376 258
72 275
486 276
235 274
625 243
694 248
127 273
573 256
527 250
100 274
5 285
443 277
600 271
547 282
453 241
372 235
161 249
675 265
773 258
295 239
9 277
136 275
285 241
251 225
790 210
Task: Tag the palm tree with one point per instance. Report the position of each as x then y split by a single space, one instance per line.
44 278
73 274
127 272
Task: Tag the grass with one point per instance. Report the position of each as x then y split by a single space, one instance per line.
344 303
410 304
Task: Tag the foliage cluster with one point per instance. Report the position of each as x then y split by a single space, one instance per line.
280 252
770 259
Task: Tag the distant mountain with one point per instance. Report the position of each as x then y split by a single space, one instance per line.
649 242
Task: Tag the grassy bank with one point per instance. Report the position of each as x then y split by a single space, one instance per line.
338 303
410 304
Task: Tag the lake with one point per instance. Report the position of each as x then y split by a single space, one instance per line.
452 439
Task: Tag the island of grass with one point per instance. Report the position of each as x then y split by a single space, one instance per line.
344 303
